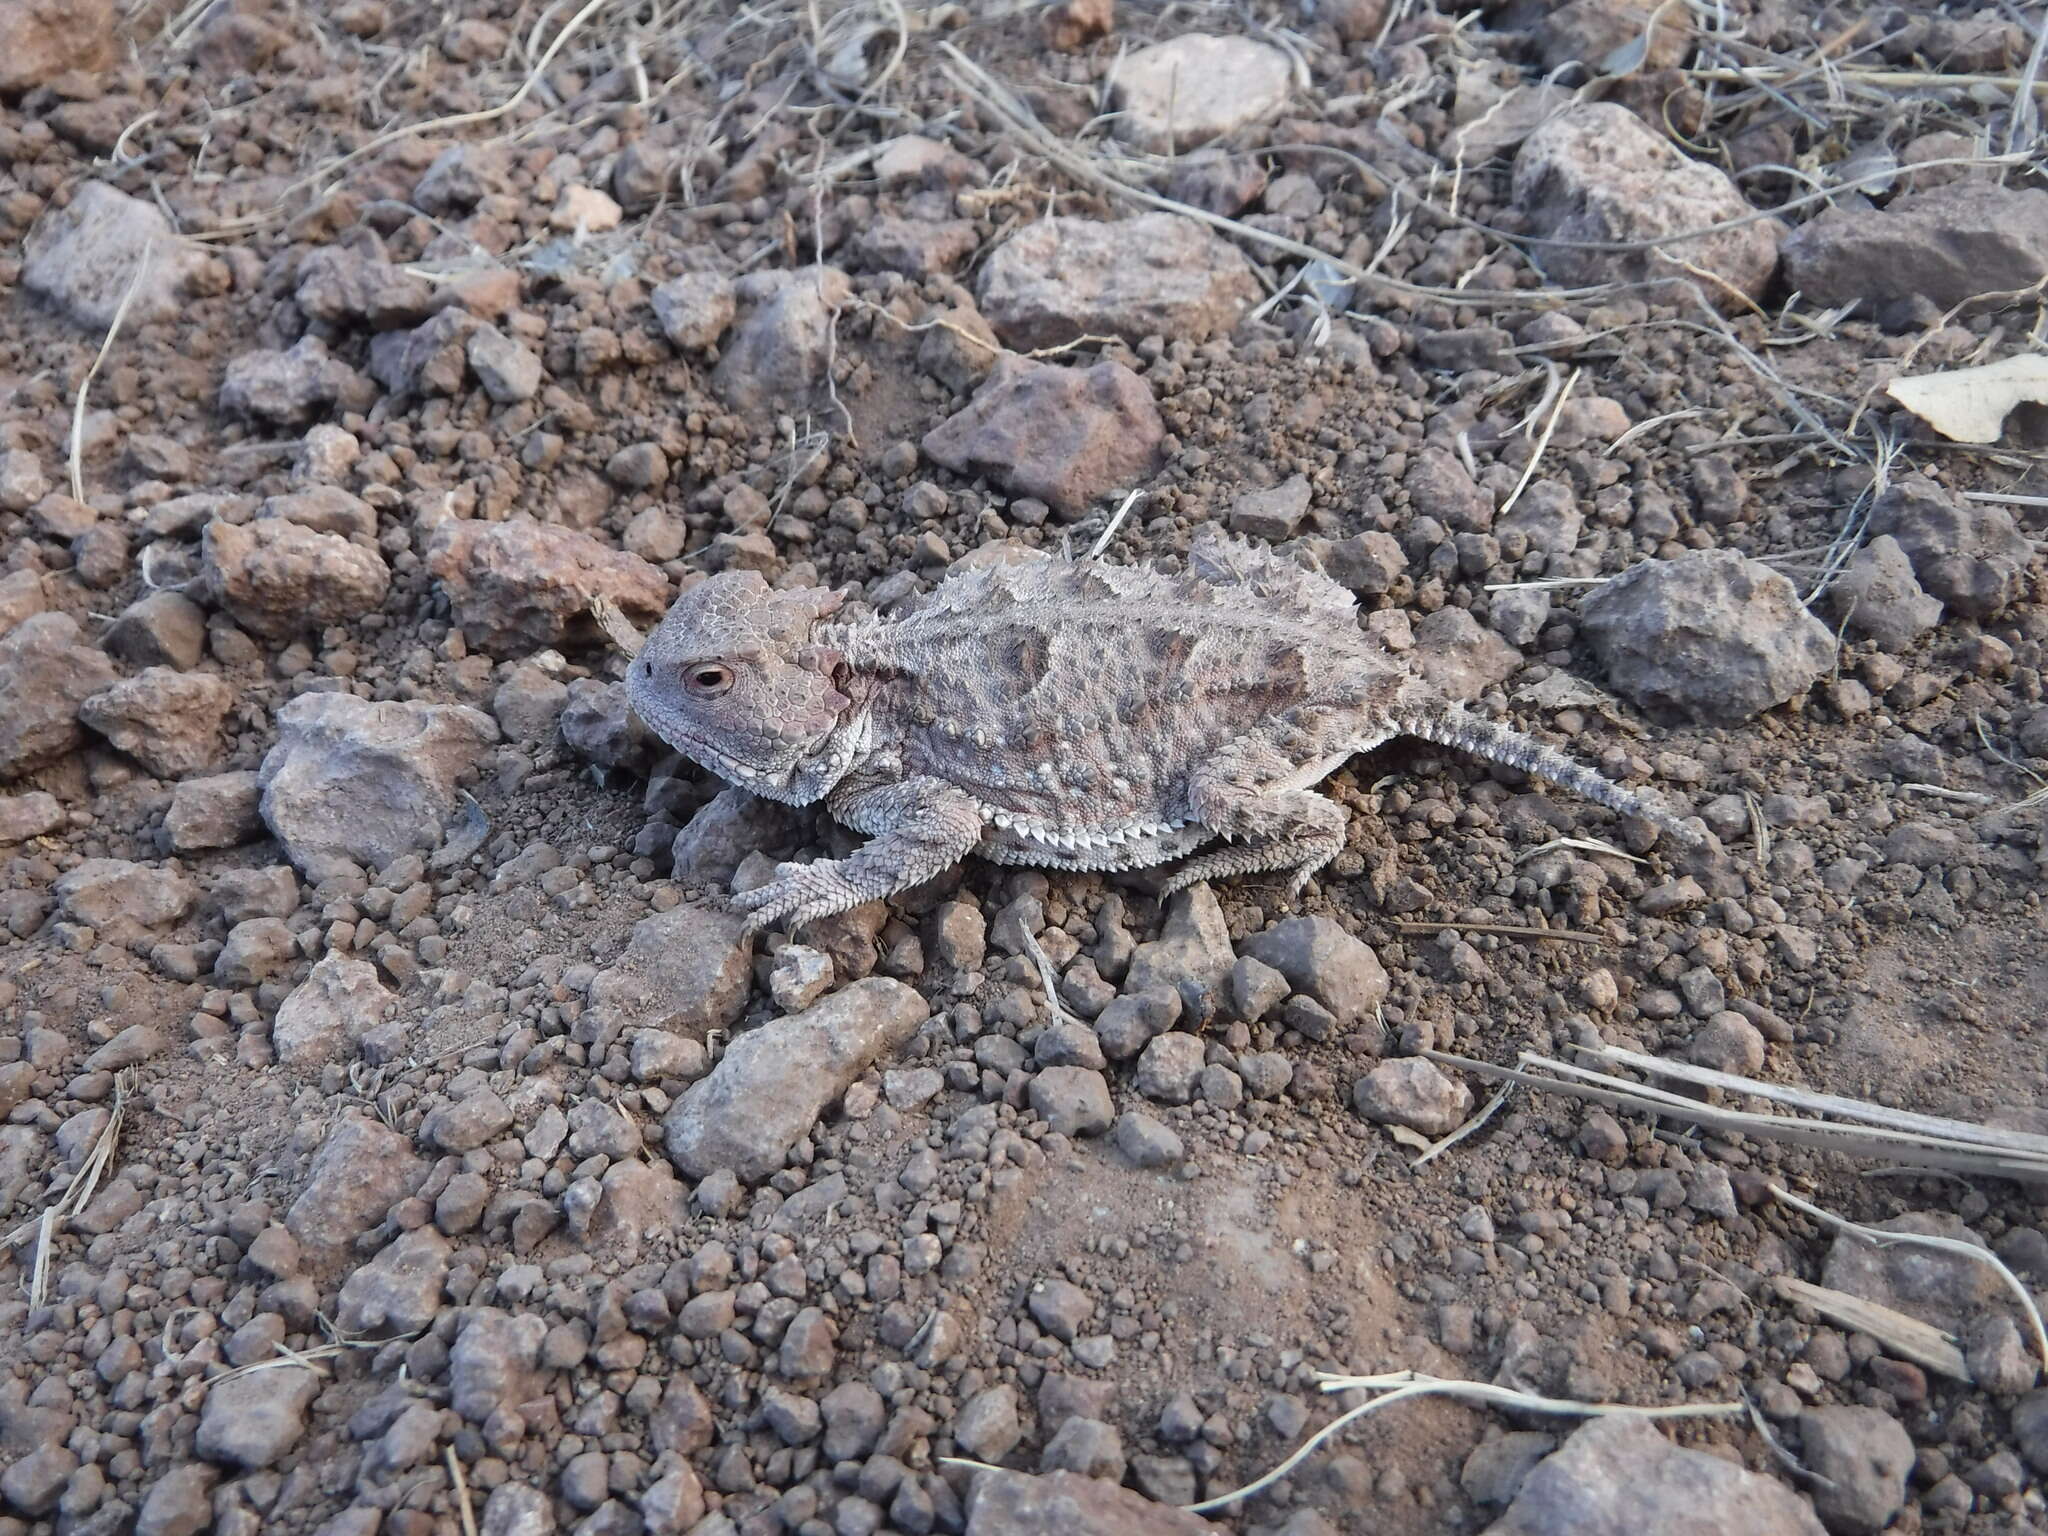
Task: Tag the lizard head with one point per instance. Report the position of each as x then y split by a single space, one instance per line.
731 679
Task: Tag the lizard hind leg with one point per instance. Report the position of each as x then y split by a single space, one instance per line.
1294 829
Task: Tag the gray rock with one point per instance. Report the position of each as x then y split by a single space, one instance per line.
1943 245
508 371
1620 1477
2000 1358
1146 1141
100 892
2030 1430
222 810
1496 1469
254 952
328 1013
800 976
685 970
1073 1100
773 1082
1596 172
31 815
988 1427
84 257
1086 1447
467 1123
167 721
1158 274
1191 957
290 388
164 629
495 1362
1169 1066
1004 1503
361 1171
732 824
46 671
399 1291
1461 656
1175 95
179 1502
251 1421
1318 957
1878 596
366 782
1971 556
1065 436
775 358
1860 1458
1711 636
1944 1289
279 578
694 309
33 1483
1273 513
1411 1091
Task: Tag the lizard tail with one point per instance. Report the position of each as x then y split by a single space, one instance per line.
1454 727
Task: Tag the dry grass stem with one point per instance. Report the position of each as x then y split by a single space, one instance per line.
462 1500
76 454
1437 1149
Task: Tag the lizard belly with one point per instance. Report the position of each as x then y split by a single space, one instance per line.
1137 846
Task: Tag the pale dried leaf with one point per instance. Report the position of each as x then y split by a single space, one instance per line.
1969 405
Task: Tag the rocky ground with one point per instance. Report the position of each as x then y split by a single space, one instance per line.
399 1133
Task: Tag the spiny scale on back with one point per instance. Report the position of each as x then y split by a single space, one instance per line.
1070 715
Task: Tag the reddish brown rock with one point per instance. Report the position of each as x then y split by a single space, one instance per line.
519 586
1063 435
168 721
279 578
1160 274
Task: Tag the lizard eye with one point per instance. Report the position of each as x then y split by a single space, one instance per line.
708 680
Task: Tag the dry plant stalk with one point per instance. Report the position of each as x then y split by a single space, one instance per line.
1906 1337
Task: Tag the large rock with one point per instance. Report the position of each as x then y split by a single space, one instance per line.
1005 1503
685 970
1620 1477
495 1362
362 1169
1711 636
167 721
521 586
1191 957
1159 274
84 256
775 358
768 1090
353 780
251 1421
279 578
1064 435
1943 245
323 1018
1945 1290
1196 87
46 671
1971 556
1598 173
42 39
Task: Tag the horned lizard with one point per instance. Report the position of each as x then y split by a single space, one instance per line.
1062 714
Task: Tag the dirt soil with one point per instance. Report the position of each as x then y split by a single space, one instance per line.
1868 921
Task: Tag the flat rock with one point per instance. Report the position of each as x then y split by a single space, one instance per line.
1943 245
362 1169
251 1421
1942 1289
1598 173
1190 89
771 1085
1065 436
520 586
280 578
31 815
222 810
1158 274
685 971
366 782
1969 555
1620 1477
84 256
99 891
1712 636
1005 1503
339 1002
166 720
46 671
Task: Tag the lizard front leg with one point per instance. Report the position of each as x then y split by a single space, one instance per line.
920 827
1291 829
